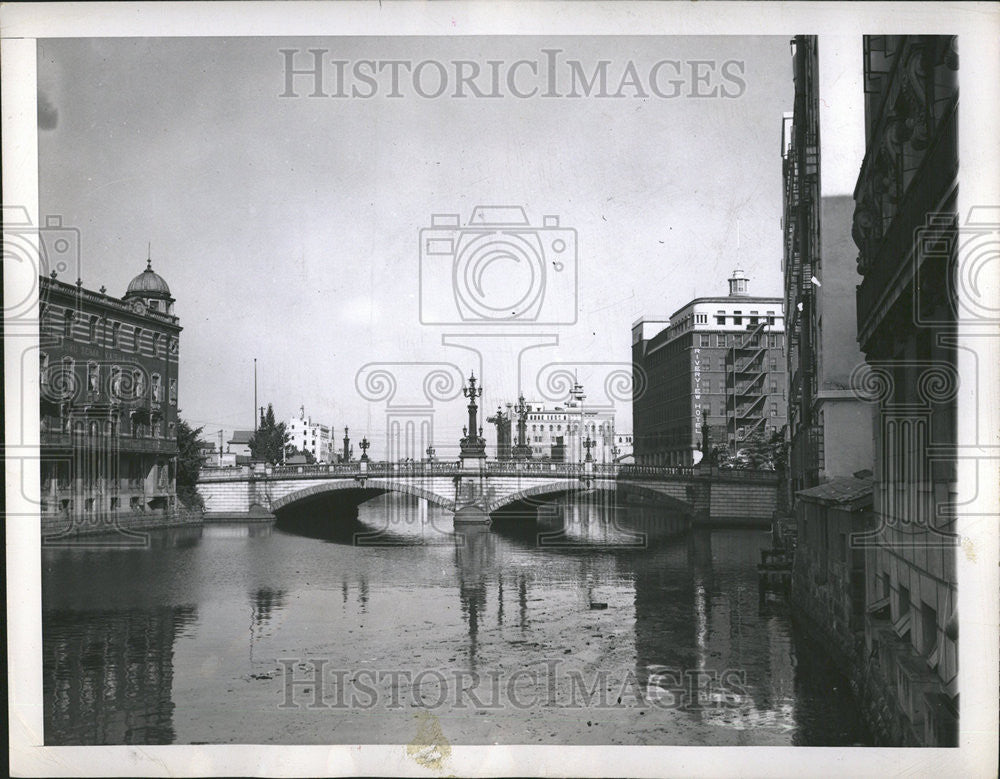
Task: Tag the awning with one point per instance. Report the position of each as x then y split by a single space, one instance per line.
934 658
878 605
902 625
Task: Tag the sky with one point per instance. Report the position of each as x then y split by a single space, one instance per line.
289 228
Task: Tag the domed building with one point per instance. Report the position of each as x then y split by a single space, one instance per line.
108 414
151 288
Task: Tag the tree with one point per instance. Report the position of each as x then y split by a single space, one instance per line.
763 453
268 443
189 462
291 451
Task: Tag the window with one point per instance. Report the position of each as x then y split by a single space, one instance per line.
770 317
928 630
722 408
138 340
722 363
722 385
774 409
774 364
774 386
93 329
156 344
701 319
116 335
774 341
705 340
753 317
68 324
737 318
720 317
903 605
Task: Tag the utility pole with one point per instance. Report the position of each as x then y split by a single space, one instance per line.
255 394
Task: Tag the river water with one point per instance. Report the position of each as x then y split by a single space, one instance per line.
592 623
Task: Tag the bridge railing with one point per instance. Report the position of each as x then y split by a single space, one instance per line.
492 467
655 471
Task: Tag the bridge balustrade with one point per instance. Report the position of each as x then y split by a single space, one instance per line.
493 467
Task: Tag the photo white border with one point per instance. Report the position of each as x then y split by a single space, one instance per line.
978 28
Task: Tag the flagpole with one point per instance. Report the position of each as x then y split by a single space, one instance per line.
255 394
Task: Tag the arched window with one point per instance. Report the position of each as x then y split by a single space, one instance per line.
116 335
68 324
93 329
138 340
156 344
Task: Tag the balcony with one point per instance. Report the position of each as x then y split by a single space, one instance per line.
123 444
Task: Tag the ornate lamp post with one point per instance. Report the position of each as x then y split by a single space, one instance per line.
588 444
364 449
522 451
472 445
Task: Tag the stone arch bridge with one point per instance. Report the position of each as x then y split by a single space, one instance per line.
476 489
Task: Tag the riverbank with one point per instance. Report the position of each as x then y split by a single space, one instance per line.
62 527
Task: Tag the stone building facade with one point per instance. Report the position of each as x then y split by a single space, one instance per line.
109 392
720 355
905 227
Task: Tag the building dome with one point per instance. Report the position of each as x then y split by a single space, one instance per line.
148 284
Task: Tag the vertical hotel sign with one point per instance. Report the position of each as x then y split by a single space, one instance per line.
697 391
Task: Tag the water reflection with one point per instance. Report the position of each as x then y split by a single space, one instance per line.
108 676
184 641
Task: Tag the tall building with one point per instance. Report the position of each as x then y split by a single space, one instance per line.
720 356
109 383
559 432
905 227
311 437
828 424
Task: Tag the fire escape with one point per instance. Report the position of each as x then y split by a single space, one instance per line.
801 221
747 383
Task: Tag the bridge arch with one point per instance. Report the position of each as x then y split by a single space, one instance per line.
370 488
578 485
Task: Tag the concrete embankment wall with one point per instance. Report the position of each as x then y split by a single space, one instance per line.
744 503
57 526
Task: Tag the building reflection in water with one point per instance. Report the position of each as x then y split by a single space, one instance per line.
475 560
108 675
